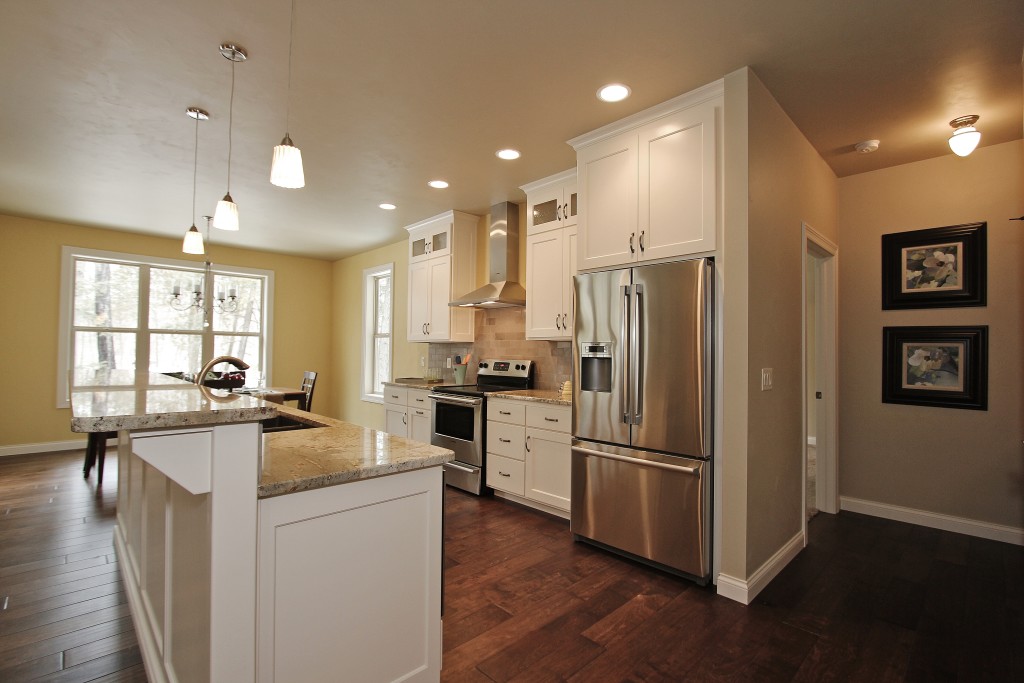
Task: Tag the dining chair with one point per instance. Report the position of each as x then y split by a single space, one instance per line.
96 453
308 384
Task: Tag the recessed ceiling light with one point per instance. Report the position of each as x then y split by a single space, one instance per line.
613 92
438 184
387 207
508 154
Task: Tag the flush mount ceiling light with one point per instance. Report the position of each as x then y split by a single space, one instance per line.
965 136
508 154
867 146
438 184
226 215
193 242
286 168
387 207
613 92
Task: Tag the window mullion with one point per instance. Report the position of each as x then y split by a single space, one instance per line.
142 340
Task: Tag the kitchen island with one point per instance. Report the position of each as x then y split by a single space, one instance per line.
310 554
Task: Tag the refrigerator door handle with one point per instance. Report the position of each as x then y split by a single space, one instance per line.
638 461
624 356
637 340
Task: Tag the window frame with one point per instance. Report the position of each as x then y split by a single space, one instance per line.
70 255
370 276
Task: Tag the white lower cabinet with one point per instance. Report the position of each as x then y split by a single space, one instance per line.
407 413
529 452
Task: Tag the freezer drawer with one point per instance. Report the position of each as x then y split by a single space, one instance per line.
646 504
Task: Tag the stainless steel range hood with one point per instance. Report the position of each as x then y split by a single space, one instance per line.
503 246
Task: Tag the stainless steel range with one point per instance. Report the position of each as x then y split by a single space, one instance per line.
459 419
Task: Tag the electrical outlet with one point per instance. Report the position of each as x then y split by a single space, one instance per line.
423 361
449 361
766 379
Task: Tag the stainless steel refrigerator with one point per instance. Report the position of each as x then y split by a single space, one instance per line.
641 469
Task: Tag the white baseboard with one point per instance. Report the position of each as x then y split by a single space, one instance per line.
935 520
745 591
48 447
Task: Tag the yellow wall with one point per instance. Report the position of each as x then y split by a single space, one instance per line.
30 279
964 463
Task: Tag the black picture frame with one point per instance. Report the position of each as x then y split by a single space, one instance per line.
956 258
951 368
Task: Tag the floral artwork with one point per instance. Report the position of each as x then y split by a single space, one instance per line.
938 366
935 267
932 267
933 366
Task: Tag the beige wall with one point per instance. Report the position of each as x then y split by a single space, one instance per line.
30 279
964 463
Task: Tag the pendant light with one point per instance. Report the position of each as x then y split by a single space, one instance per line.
226 215
965 136
286 168
193 243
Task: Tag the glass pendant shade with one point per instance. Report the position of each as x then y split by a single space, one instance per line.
193 243
226 215
286 169
964 140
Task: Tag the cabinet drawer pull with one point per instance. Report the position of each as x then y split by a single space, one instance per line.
641 240
504 440
420 412
504 412
504 474
551 419
419 400
528 444
631 249
394 395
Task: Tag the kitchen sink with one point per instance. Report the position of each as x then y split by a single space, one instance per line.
284 423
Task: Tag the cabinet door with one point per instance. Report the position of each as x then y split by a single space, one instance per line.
419 425
548 467
544 209
677 183
569 271
396 421
419 300
439 322
608 210
570 205
544 285
430 241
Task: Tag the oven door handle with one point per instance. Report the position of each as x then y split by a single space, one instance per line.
462 468
456 400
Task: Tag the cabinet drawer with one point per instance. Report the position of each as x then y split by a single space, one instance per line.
543 416
505 474
396 395
419 398
513 412
505 439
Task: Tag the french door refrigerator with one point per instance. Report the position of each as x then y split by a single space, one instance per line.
641 470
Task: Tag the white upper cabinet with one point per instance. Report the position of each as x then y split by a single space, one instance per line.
551 202
442 267
649 184
550 256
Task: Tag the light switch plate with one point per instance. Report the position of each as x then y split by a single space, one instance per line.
766 379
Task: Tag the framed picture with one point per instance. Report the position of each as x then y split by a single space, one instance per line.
936 366
934 268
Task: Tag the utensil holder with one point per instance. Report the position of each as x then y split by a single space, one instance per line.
460 374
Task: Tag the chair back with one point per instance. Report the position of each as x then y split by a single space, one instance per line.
308 384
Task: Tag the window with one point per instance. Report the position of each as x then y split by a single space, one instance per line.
377 308
136 313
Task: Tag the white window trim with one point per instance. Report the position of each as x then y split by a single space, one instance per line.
67 298
366 372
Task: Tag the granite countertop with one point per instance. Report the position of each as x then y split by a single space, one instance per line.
423 384
538 395
296 460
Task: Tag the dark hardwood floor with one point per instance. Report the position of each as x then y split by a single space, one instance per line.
867 600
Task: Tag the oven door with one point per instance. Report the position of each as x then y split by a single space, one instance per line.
458 425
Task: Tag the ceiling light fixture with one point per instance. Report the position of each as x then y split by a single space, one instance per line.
193 242
965 136
388 207
438 184
508 154
226 215
286 169
613 92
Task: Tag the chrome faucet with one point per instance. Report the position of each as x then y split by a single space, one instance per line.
237 362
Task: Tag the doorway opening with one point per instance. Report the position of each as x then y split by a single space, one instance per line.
820 355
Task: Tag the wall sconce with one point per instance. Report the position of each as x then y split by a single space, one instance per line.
965 136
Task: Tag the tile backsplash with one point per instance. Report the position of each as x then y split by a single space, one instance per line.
501 333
